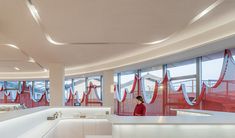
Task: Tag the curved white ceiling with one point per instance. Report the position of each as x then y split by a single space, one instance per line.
13 59
132 21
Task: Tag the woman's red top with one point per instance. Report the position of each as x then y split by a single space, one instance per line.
140 110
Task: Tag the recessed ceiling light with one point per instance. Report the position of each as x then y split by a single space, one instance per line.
13 46
207 10
49 39
31 60
157 42
45 70
16 68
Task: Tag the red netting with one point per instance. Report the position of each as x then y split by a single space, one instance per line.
89 98
220 97
23 98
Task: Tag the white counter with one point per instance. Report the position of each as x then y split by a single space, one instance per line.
190 123
33 122
80 128
19 113
209 124
70 127
172 120
40 130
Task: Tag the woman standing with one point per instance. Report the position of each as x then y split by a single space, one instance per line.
140 108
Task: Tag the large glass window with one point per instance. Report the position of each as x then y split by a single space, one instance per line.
1 83
39 88
126 81
211 67
29 83
190 84
1 93
115 79
79 86
183 73
97 82
184 68
12 85
82 85
155 73
28 97
67 87
149 77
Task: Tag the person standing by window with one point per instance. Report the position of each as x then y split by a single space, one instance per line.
140 108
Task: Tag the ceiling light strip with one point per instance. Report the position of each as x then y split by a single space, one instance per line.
16 68
31 60
11 45
207 10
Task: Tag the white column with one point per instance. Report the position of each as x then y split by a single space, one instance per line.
108 96
198 75
56 75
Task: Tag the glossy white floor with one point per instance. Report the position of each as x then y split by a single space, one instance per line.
95 123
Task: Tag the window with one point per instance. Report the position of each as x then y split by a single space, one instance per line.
11 84
39 87
97 82
155 72
211 67
79 86
67 88
183 73
190 84
1 93
1 83
184 68
149 77
115 79
126 81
